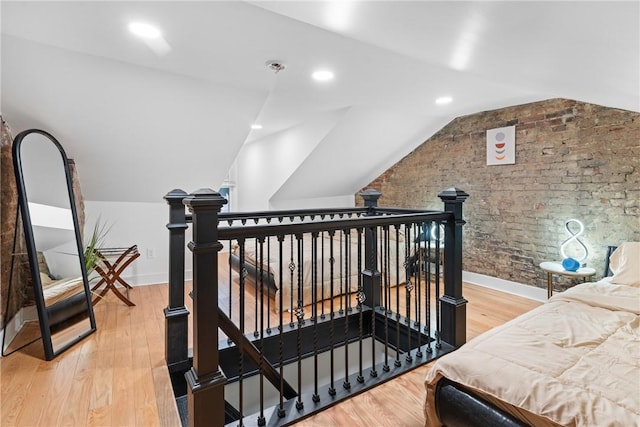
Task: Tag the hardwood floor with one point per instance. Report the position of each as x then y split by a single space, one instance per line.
117 377
400 402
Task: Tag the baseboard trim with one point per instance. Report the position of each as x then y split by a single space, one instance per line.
153 278
507 286
13 326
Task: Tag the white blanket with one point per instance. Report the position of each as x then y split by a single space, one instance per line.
574 361
58 290
301 275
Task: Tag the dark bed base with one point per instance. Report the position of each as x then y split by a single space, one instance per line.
457 407
66 309
270 281
252 273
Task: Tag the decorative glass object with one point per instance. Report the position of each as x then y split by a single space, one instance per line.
576 243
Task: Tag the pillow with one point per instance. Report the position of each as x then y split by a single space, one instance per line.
625 264
45 279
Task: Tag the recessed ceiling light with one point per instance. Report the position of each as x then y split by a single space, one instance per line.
322 75
146 31
444 100
256 127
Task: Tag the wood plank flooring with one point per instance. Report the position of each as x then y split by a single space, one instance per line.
117 376
400 402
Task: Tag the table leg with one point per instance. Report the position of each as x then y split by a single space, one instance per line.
549 285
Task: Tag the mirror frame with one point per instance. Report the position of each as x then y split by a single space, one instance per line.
45 326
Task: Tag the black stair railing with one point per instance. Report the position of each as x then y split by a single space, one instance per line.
378 296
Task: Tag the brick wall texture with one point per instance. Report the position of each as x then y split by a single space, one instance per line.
21 283
21 289
573 160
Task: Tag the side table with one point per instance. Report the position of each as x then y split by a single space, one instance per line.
552 267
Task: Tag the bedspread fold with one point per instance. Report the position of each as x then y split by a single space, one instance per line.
574 361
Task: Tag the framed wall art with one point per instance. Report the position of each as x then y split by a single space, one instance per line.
501 146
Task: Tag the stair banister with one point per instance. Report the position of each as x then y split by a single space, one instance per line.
205 381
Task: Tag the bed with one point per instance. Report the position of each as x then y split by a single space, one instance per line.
57 290
264 261
63 298
573 361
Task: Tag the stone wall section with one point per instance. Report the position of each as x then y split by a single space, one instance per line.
573 160
21 294
21 289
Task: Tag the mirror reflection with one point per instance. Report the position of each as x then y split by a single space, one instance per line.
53 240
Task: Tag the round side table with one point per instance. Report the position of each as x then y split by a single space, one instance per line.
552 267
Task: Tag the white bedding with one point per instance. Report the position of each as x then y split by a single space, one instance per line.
58 290
288 283
574 361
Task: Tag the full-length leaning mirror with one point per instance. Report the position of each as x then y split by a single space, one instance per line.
54 243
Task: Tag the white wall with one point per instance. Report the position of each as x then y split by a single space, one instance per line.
346 201
264 165
142 224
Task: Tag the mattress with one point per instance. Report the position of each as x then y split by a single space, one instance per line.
298 276
574 361
58 290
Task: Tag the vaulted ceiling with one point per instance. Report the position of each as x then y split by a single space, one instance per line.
144 117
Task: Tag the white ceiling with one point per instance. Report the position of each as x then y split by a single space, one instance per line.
140 124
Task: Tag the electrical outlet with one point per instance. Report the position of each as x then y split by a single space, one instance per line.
151 253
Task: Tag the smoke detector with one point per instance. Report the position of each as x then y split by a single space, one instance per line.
275 66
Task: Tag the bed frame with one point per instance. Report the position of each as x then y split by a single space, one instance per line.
64 310
458 406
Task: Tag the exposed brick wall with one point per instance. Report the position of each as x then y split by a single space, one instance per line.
78 198
573 160
22 287
21 290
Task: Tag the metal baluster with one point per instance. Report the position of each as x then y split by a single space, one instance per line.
387 246
332 389
231 287
397 361
360 297
268 277
322 316
256 282
314 312
387 297
416 271
300 316
419 291
437 301
427 328
281 411
341 260
292 267
300 239
373 373
243 276
347 264
408 288
261 419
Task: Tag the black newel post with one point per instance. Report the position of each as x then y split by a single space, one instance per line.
370 197
453 305
371 279
176 314
205 381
